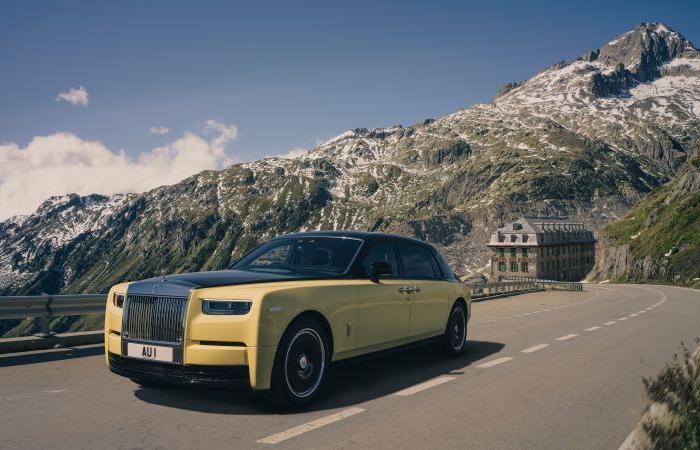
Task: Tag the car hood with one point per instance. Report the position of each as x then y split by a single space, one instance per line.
180 285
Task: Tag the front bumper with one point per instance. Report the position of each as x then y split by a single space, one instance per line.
179 374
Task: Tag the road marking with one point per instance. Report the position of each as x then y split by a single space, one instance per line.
567 337
641 312
423 386
495 362
634 315
622 318
649 309
310 426
612 322
534 348
592 328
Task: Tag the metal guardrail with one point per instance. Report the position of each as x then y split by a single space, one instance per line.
48 306
513 286
22 306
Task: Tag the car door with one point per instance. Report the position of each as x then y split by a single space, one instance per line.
384 308
428 296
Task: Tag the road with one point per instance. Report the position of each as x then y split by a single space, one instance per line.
544 370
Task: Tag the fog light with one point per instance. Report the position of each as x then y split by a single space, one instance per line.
118 300
226 307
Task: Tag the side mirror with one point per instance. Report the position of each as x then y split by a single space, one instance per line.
379 269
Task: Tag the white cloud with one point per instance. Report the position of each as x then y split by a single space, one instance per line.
159 130
63 163
75 96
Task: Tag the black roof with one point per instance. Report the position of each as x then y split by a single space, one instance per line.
365 235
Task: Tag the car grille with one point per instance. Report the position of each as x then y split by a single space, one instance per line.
156 319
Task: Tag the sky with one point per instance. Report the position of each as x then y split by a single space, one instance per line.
143 86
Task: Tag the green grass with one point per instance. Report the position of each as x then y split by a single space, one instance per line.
678 388
667 229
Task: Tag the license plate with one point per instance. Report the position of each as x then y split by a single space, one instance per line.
154 352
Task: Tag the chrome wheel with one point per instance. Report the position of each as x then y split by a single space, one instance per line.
457 329
305 362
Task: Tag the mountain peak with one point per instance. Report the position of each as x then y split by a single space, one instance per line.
644 49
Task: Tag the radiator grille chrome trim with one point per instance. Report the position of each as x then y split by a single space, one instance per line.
154 319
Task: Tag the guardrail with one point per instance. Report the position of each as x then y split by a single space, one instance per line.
22 306
47 306
483 291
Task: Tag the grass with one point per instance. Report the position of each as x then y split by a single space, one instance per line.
665 228
677 389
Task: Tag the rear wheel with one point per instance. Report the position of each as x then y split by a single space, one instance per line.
454 341
300 365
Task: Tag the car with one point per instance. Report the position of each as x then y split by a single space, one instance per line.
279 316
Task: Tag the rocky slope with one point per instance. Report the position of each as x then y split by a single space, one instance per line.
659 240
587 138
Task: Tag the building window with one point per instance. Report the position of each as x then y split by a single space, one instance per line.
501 252
525 253
512 252
513 267
501 267
524 267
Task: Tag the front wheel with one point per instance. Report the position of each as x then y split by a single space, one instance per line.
300 365
454 341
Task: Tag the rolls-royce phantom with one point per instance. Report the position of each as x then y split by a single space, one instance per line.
279 316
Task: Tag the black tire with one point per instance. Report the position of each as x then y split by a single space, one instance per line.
454 341
300 366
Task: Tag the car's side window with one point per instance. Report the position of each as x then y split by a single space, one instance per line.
416 262
382 253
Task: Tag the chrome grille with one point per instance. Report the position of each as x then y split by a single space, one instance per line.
153 318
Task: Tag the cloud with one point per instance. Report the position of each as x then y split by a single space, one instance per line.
75 96
63 163
159 130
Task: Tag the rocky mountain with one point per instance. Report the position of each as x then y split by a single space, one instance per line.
587 138
659 239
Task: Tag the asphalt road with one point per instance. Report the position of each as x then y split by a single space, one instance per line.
543 370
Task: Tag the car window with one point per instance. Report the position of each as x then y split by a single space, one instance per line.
316 255
383 253
446 269
416 262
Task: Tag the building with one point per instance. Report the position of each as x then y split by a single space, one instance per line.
542 247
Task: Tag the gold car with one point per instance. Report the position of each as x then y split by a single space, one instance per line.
279 317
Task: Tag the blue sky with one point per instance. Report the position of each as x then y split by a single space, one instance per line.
286 74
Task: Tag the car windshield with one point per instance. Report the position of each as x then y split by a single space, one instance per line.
308 255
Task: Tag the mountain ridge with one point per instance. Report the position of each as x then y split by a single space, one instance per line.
562 141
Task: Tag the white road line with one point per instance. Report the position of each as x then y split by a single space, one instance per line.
534 348
310 426
567 337
641 312
634 315
495 362
592 328
622 318
423 386
612 322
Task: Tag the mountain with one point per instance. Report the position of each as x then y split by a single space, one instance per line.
586 138
659 239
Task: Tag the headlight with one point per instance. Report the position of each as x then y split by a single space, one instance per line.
118 300
226 307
